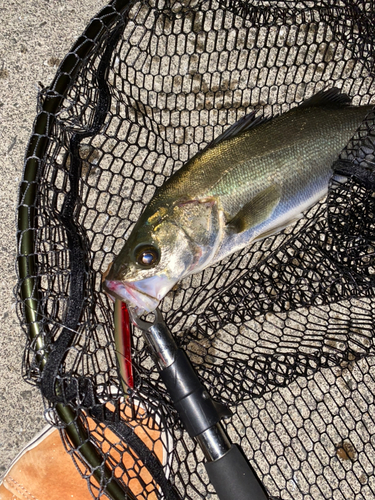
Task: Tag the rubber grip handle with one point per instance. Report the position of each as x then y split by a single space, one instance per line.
233 477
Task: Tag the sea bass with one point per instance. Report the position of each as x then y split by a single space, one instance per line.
252 181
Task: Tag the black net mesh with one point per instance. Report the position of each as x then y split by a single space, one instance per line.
282 332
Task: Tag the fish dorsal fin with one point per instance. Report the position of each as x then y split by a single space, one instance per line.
332 98
257 210
245 123
328 98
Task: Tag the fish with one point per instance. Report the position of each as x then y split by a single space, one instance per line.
253 181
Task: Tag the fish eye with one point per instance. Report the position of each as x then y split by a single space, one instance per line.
147 256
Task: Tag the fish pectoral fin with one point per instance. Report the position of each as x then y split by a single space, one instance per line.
256 210
278 228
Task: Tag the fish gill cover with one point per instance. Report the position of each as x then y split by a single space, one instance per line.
282 331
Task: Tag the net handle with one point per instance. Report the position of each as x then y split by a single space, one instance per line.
233 477
229 471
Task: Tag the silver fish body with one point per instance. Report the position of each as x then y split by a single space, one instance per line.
254 180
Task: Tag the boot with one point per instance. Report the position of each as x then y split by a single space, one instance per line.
44 470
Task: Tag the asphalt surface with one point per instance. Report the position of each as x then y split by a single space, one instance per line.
34 37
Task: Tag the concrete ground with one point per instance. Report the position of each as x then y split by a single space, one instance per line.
34 37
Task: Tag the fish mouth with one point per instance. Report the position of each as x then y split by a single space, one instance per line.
142 296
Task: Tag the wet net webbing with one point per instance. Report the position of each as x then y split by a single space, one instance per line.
281 332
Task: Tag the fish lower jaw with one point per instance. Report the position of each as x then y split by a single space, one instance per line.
138 302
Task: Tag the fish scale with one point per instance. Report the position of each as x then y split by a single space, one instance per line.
254 180
289 153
